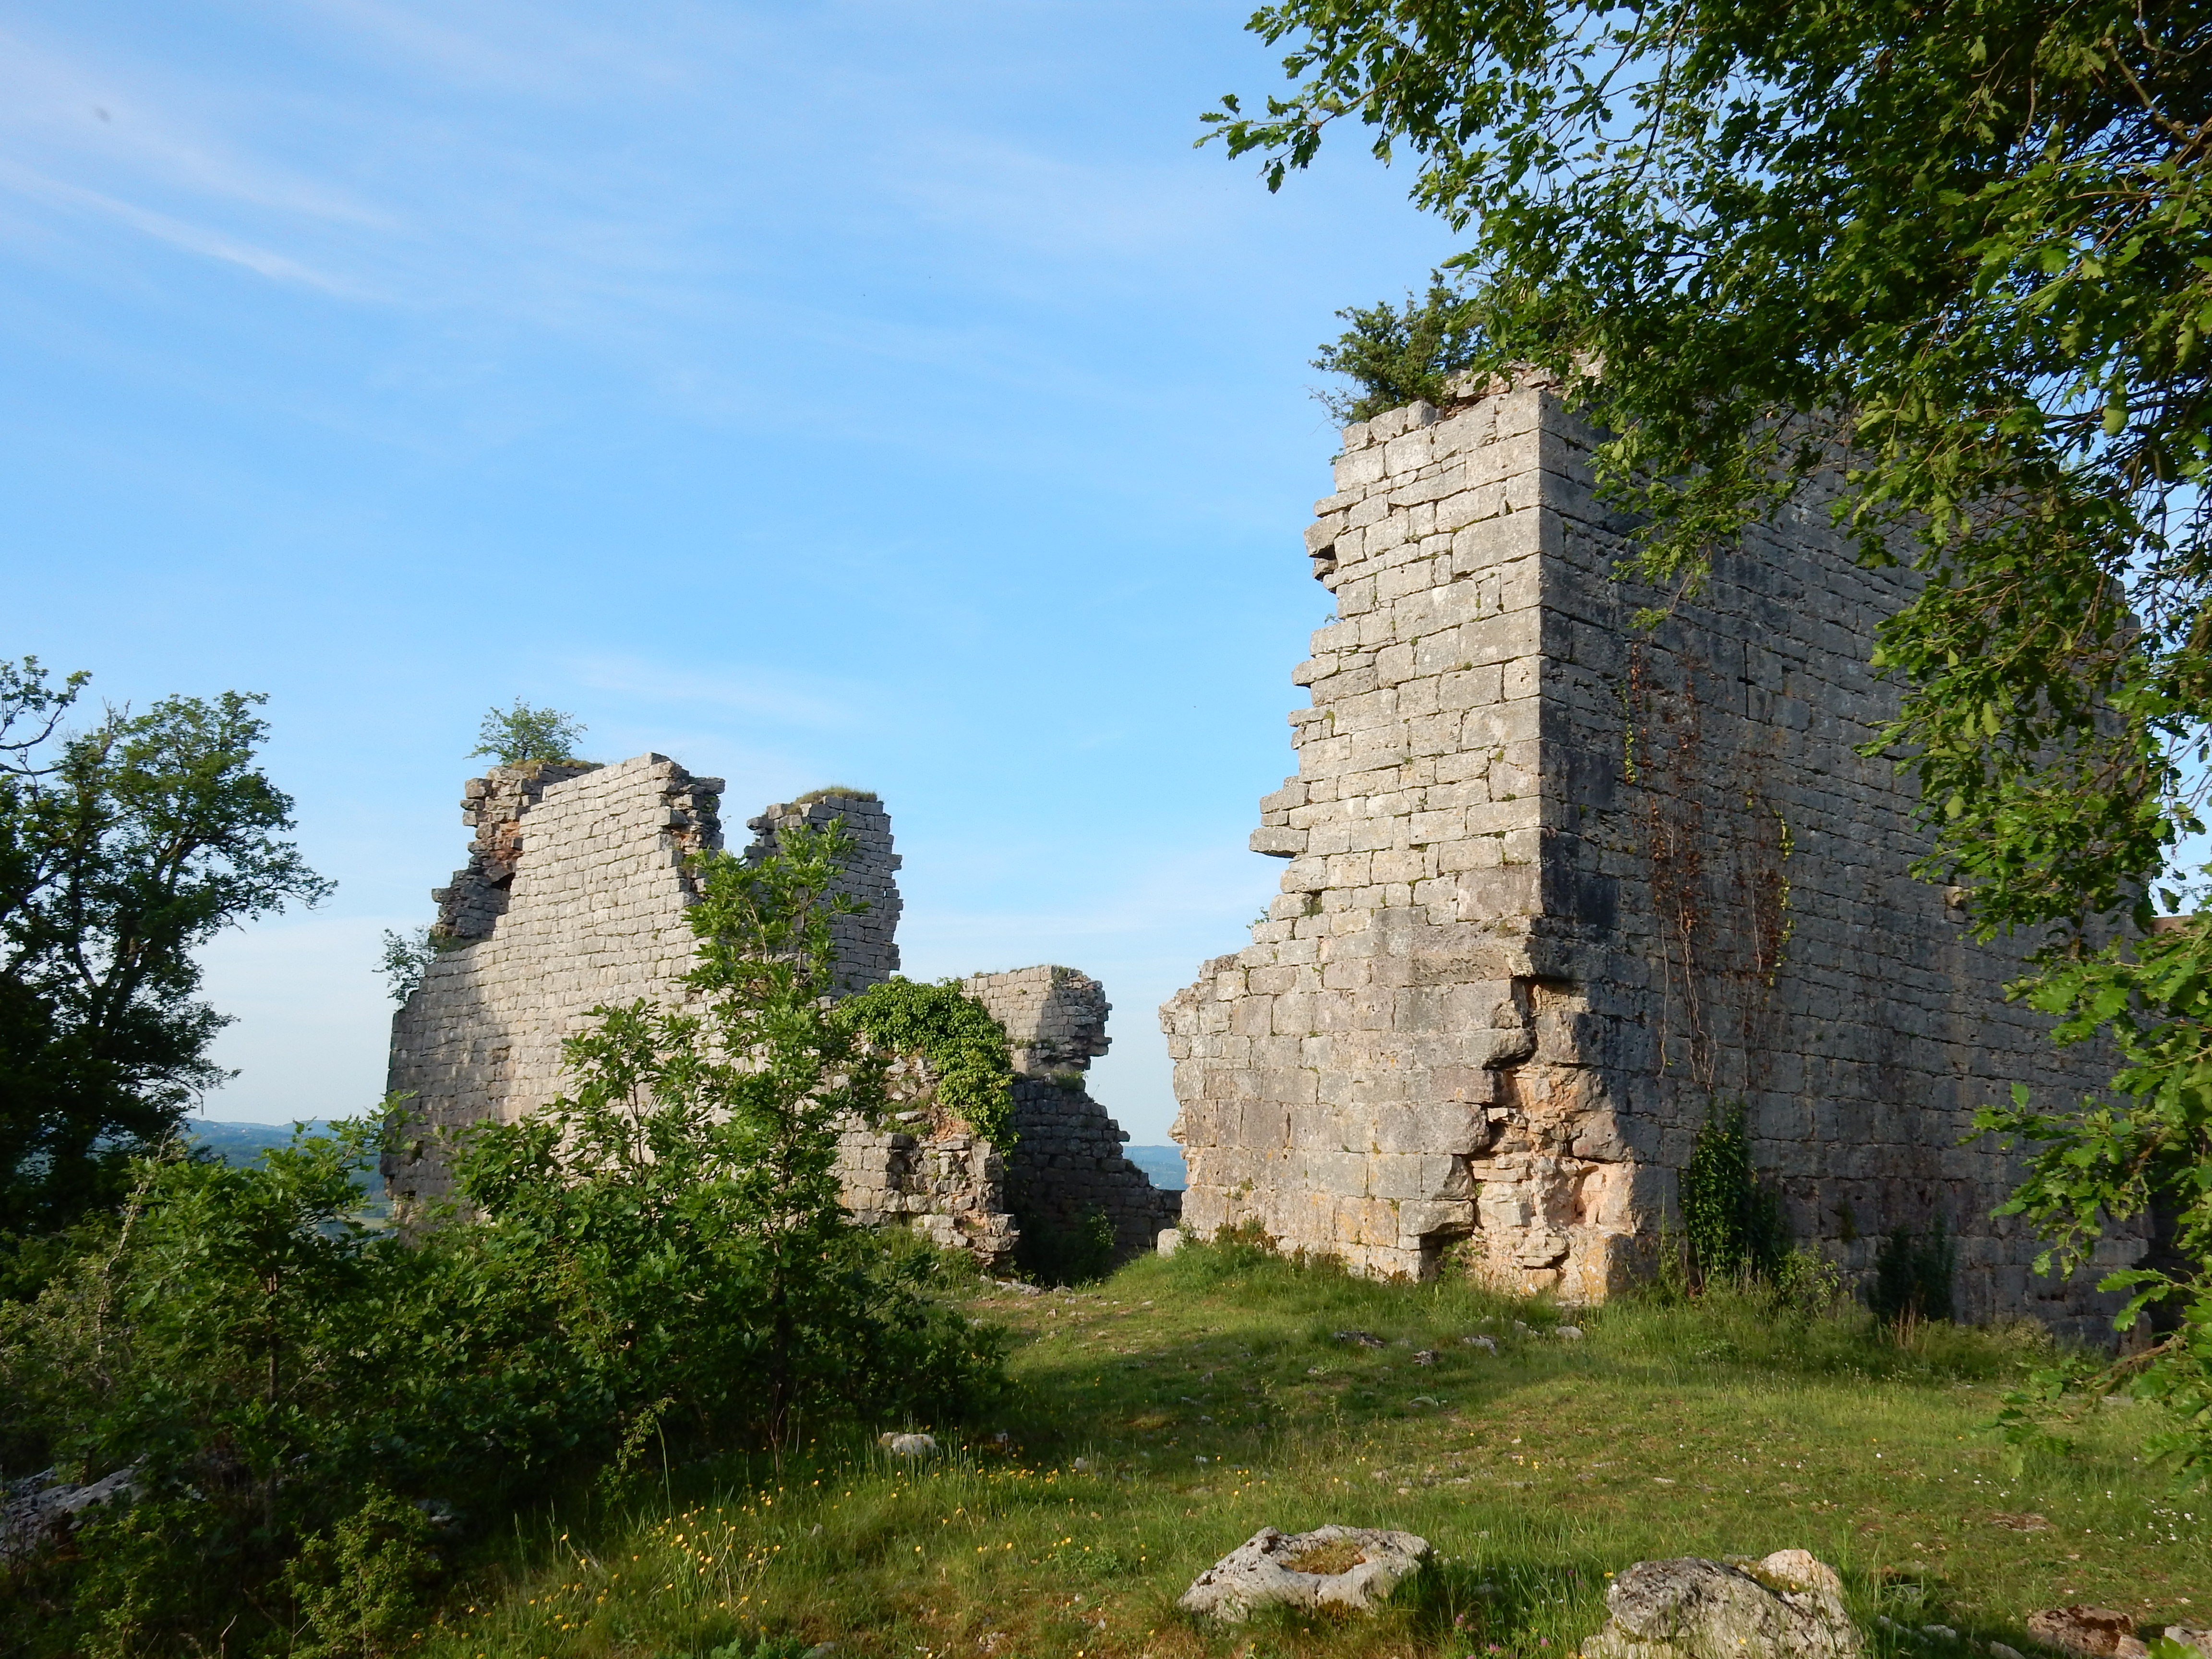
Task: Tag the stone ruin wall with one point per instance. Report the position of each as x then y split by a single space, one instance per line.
865 941
573 896
1068 1163
1556 884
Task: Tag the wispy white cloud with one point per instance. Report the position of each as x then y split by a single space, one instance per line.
119 118
762 693
490 45
177 233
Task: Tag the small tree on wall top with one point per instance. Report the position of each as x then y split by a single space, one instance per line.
517 736
1392 357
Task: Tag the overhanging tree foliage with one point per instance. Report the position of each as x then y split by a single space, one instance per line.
1957 259
124 847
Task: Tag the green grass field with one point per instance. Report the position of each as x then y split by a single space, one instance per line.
1165 1415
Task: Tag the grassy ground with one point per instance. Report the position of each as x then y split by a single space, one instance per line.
1170 1412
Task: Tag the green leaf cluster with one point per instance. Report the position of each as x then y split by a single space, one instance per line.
1394 356
1733 1220
965 1048
125 846
521 733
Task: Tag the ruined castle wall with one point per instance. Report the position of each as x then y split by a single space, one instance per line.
1556 885
1067 1164
866 939
575 897
581 903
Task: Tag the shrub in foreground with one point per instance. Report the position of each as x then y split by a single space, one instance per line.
318 1415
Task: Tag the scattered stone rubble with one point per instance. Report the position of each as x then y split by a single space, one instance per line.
1789 1606
38 1509
1264 1571
574 897
1556 883
2091 1632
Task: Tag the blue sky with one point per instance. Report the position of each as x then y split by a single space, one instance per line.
885 394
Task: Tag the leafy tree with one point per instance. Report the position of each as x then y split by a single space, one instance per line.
521 734
406 957
659 1259
124 847
1394 356
1955 261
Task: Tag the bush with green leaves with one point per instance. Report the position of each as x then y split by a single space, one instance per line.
964 1047
1395 356
1733 1220
656 1263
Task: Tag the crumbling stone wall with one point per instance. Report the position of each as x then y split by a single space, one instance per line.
1067 1163
1558 885
492 806
866 941
574 897
928 1170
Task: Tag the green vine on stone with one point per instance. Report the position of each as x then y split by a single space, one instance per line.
966 1049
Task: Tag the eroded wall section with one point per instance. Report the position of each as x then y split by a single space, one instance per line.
1558 885
573 896
1066 1164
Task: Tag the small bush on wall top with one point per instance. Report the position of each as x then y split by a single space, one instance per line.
1394 357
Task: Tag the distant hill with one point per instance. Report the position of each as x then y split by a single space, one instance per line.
1163 1164
243 1143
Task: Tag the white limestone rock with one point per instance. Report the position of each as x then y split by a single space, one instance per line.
35 1510
1260 1572
1789 1606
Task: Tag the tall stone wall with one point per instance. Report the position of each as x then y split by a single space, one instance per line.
1558 885
573 896
1066 1164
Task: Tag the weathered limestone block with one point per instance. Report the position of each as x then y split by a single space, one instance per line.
1789 1606
1556 884
1349 1569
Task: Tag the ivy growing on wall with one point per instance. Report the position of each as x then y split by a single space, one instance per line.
966 1049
